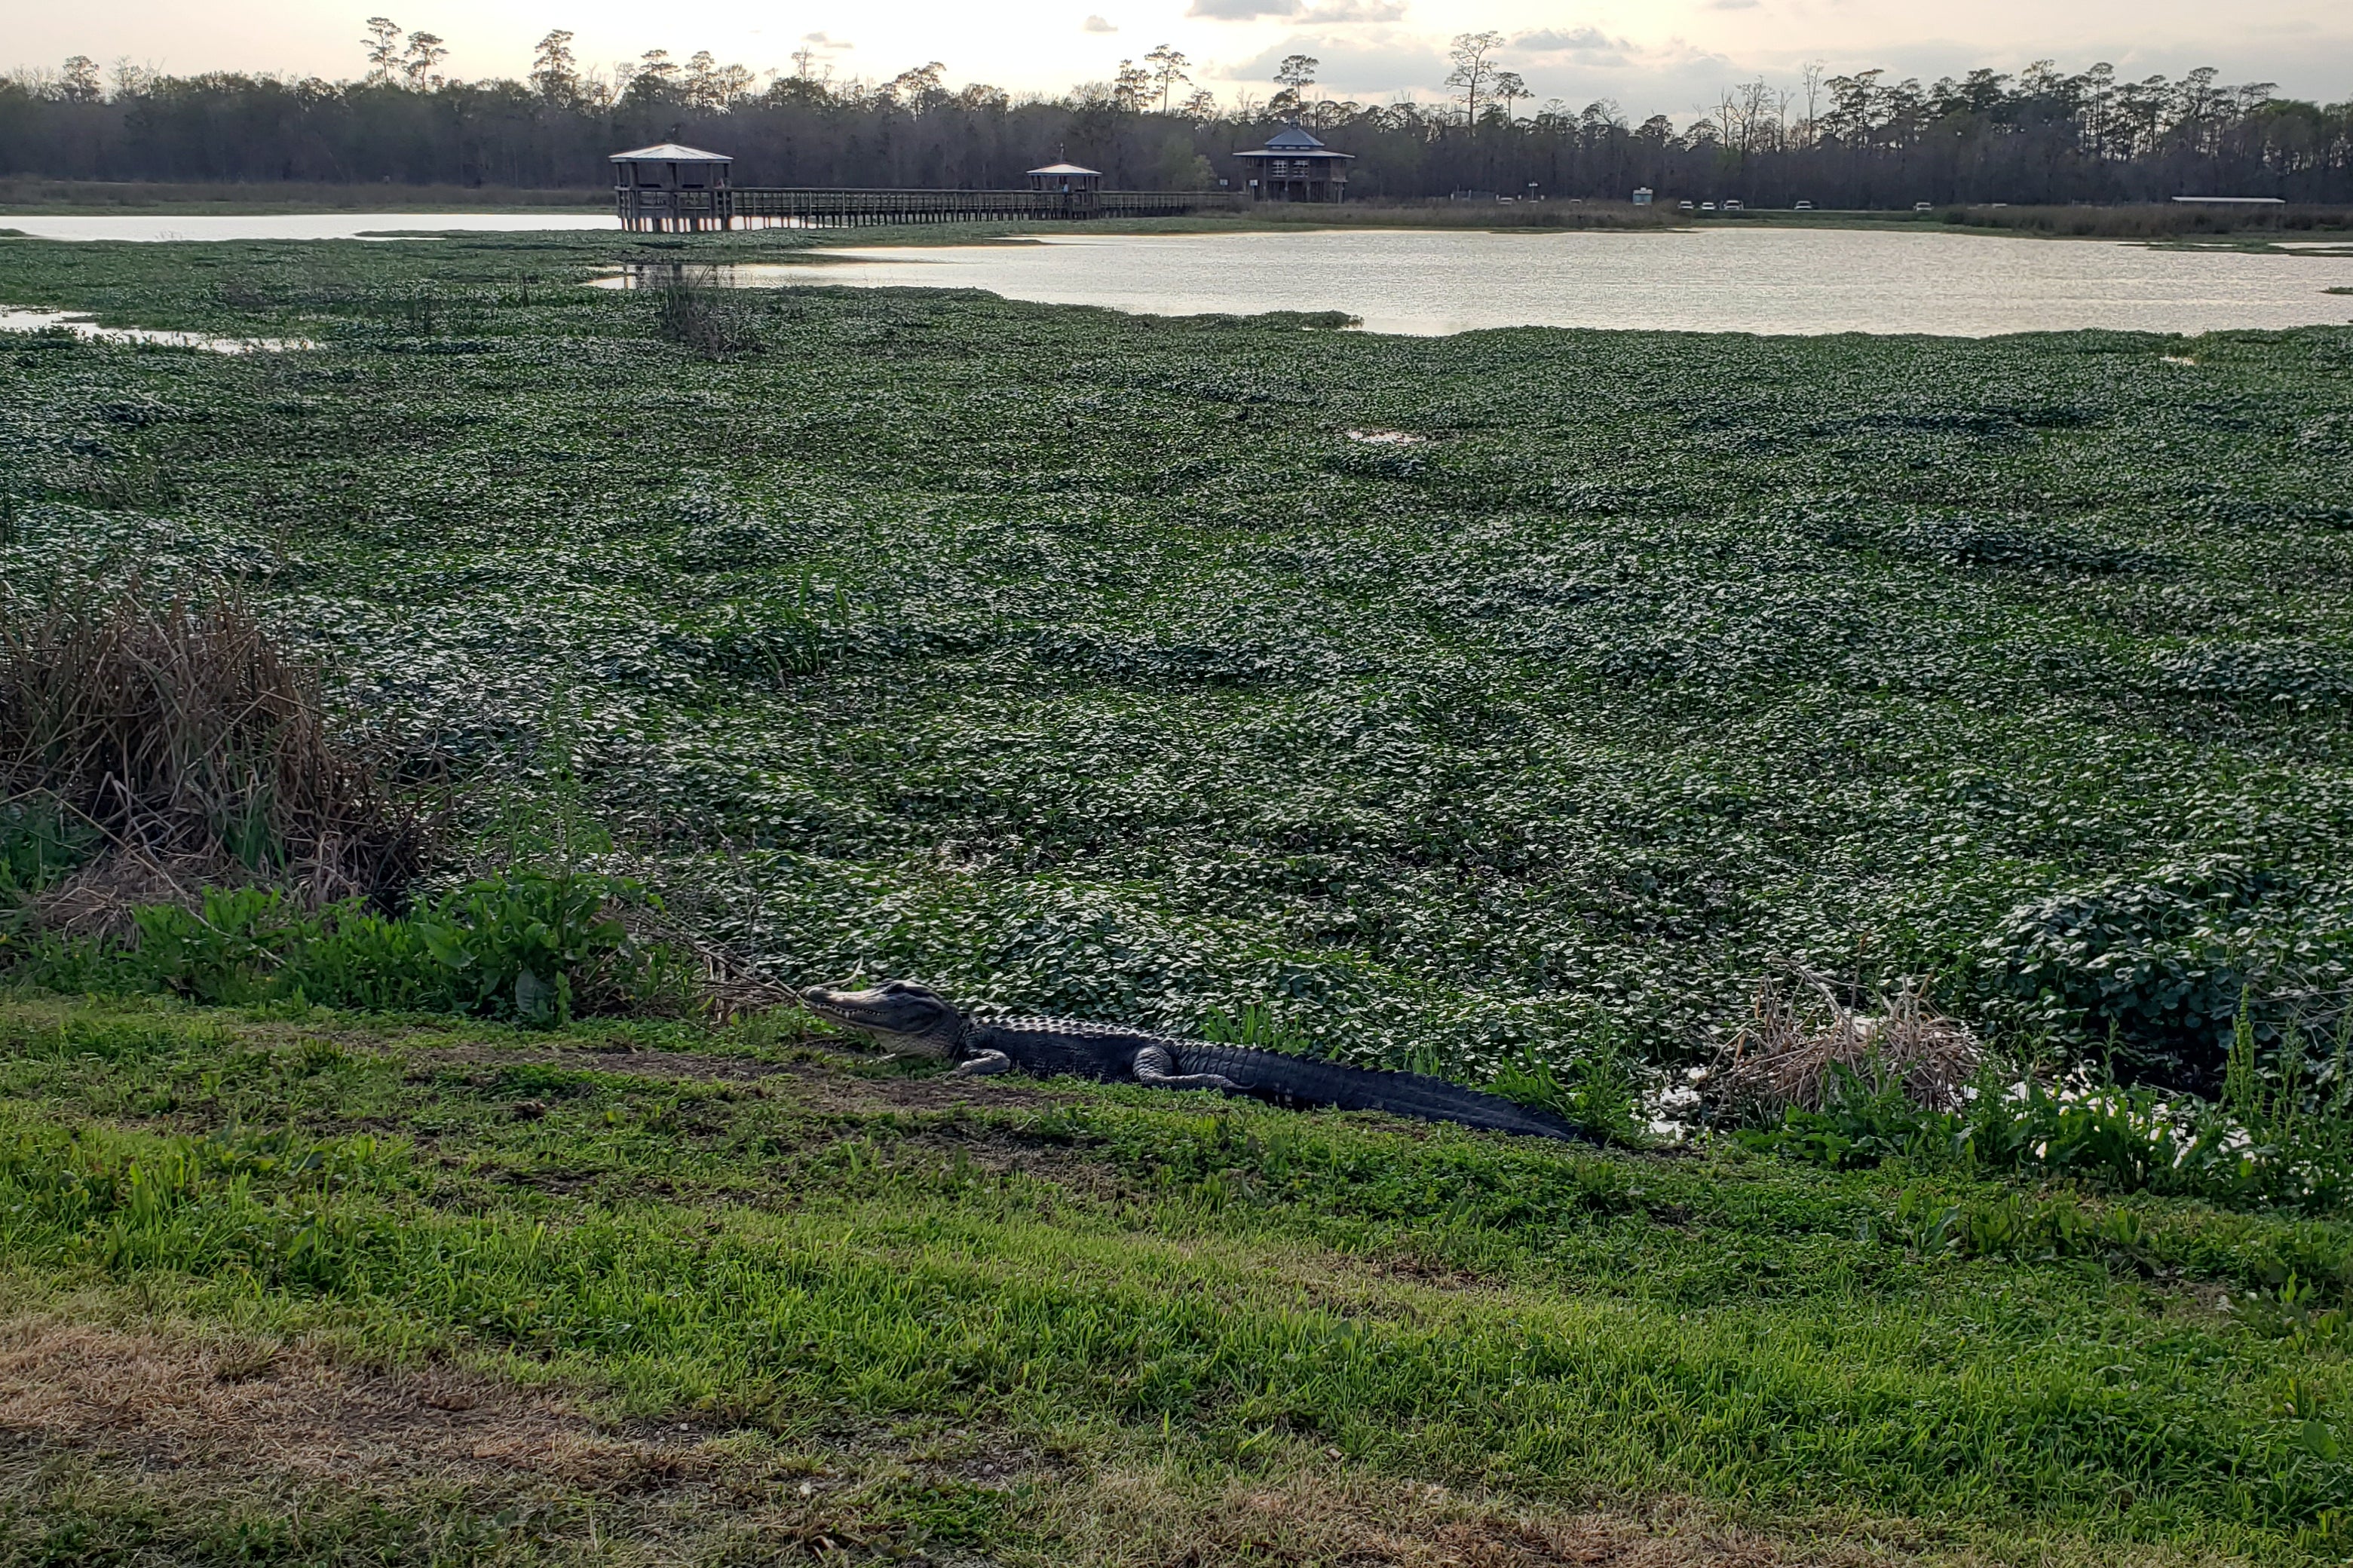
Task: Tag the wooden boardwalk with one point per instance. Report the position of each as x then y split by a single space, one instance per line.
748 206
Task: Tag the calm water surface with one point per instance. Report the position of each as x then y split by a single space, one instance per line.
1435 282
20 320
159 226
1709 280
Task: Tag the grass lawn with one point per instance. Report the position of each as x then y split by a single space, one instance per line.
322 1288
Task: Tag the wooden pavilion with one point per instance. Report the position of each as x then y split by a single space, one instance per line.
1068 189
1293 166
673 188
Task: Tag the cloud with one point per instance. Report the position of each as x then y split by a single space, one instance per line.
824 41
1329 14
1097 25
1355 67
1243 10
1578 41
1340 12
1732 4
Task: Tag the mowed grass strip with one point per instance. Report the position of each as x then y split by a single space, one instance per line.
816 1253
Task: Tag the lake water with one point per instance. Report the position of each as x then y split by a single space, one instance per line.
20 320
1425 281
1704 280
161 227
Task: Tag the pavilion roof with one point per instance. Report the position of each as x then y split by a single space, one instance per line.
1271 151
670 152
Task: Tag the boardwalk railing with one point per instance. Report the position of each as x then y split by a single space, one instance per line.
682 211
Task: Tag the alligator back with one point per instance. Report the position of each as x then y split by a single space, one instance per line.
1051 1047
1289 1080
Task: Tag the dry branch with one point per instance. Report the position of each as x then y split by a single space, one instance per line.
1800 1036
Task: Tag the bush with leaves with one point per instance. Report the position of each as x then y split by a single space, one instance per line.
2266 1140
534 947
2150 971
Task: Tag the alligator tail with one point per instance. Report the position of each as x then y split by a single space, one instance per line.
1295 1081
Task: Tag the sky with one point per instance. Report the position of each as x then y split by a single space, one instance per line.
1669 57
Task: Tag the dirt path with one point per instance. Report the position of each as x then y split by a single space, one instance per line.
221 1403
207 1428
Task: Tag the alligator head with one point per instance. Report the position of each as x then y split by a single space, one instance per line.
902 1018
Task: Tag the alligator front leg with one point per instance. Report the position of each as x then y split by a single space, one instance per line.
983 1064
1156 1069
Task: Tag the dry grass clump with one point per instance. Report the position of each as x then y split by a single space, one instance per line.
193 747
1801 1035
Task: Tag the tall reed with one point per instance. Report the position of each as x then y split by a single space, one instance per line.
181 731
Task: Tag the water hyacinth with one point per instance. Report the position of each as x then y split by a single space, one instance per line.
1078 662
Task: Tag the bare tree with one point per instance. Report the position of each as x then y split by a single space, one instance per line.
1811 75
1474 59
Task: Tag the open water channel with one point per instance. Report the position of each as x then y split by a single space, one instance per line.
1425 282
1702 280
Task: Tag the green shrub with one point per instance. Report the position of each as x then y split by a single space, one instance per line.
536 948
2148 971
38 843
2261 1144
1600 1090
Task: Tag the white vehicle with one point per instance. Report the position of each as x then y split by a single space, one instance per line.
1805 206
1707 207
1922 206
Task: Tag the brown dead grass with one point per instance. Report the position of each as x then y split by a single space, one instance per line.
224 1416
103 1414
240 1406
97 899
185 737
233 1422
1800 1036
1328 1515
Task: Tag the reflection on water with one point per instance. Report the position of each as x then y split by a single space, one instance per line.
1708 280
19 320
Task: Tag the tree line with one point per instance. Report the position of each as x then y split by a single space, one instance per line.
1859 139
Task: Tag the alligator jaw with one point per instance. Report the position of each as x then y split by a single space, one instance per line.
902 1019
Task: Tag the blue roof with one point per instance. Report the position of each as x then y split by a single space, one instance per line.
1291 137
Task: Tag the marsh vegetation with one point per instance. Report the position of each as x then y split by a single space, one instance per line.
1510 705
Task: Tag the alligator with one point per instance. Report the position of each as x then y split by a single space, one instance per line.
906 1019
